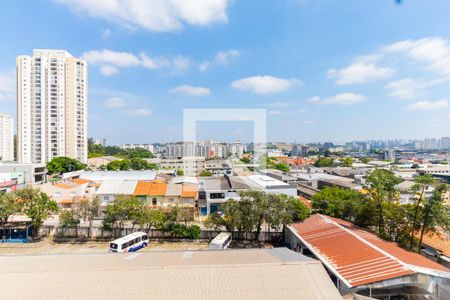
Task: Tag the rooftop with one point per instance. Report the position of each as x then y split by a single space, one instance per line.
359 257
118 175
239 274
152 188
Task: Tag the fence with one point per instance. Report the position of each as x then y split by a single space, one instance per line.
98 233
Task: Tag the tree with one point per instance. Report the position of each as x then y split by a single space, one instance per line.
346 161
246 160
282 167
415 166
421 183
380 185
62 164
8 207
152 218
339 203
396 221
68 218
116 165
323 162
133 164
88 209
297 209
124 209
205 173
180 172
253 211
141 164
364 160
37 206
435 212
215 222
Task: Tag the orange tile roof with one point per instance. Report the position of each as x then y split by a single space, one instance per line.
439 240
150 188
358 256
65 186
305 201
81 181
189 191
66 201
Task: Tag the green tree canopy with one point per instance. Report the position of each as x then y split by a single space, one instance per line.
282 167
380 185
62 164
324 162
346 161
8 207
37 205
205 173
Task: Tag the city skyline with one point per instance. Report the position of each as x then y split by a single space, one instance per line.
145 67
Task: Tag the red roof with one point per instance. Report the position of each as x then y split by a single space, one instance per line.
358 256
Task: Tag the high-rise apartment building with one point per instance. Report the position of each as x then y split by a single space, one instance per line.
6 138
51 106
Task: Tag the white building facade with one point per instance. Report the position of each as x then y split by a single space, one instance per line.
51 106
6 138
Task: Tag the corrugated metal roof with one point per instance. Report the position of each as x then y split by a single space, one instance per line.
230 274
173 189
118 187
357 256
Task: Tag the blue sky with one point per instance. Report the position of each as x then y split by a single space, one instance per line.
325 70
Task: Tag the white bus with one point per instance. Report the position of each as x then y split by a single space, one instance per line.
129 243
221 241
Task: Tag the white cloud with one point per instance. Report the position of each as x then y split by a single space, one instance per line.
205 66
108 70
411 88
106 33
140 112
309 122
110 61
341 99
115 102
361 70
7 85
263 84
433 51
152 15
429 105
191 90
226 57
222 58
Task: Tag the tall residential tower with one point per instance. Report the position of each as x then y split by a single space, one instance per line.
6 138
51 106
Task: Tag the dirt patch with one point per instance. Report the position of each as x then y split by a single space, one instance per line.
51 247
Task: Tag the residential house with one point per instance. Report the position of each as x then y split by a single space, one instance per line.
151 192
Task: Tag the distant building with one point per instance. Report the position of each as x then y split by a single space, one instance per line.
148 147
51 106
11 181
32 173
389 154
6 138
